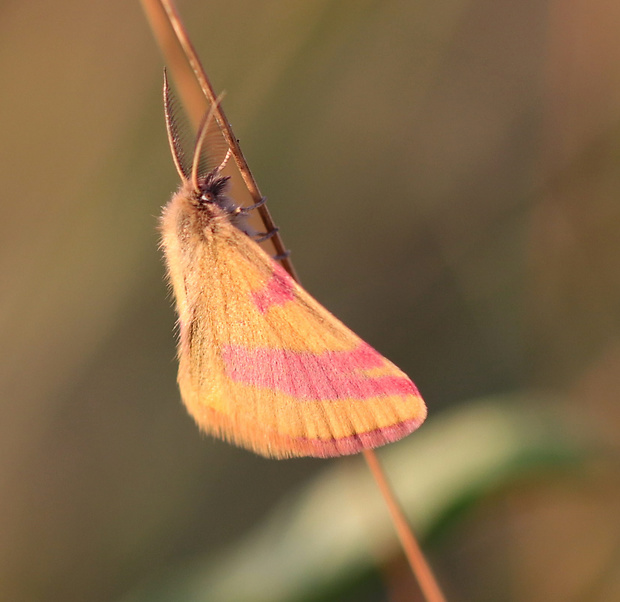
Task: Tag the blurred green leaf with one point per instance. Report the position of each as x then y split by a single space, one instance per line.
336 529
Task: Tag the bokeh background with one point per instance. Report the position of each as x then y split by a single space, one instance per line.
447 175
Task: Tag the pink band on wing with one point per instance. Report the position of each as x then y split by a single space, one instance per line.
277 291
308 376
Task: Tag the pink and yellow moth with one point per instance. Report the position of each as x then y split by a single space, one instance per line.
261 362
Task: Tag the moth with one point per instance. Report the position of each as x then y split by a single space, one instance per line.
261 363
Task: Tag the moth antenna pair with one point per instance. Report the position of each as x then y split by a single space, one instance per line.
175 143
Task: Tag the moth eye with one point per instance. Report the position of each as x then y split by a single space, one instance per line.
207 197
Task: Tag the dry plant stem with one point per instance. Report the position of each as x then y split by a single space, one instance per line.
187 87
161 28
415 557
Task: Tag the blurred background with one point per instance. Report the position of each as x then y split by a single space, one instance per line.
447 175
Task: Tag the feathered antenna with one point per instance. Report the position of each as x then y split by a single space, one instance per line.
200 138
223 163
173 136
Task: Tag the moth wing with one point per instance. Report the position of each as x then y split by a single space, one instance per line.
267 367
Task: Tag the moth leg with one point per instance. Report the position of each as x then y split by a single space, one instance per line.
282 256
263 236
254 206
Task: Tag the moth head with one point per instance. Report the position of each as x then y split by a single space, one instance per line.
210 190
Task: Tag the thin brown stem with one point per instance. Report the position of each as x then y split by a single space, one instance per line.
413 552
179 53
